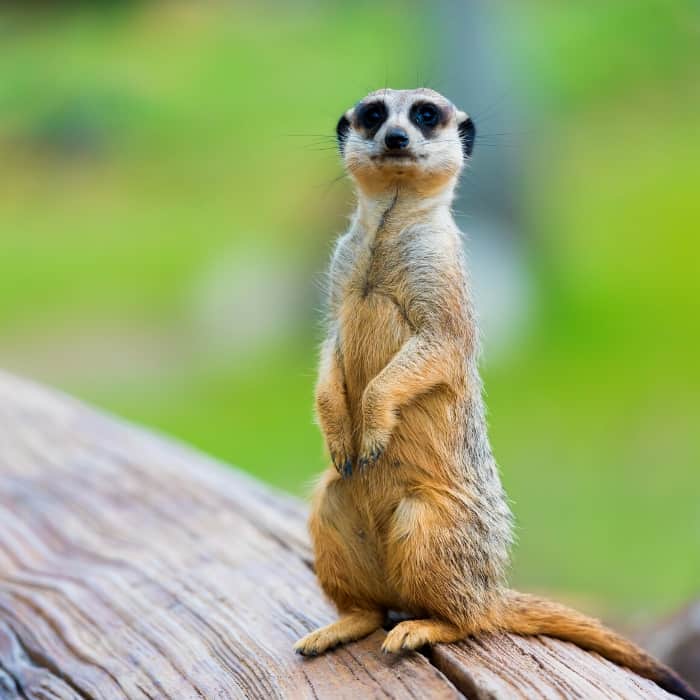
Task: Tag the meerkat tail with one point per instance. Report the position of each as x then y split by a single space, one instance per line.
529 615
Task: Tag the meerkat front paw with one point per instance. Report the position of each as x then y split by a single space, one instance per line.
373 446
379 420
336 426
341 455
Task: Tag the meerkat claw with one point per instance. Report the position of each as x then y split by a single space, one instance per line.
370 457
342 465
302 652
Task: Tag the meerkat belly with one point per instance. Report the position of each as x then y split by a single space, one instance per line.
363 513
373 329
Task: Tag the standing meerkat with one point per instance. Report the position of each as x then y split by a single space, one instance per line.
413 517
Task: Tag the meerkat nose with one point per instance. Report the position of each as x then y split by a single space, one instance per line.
396 139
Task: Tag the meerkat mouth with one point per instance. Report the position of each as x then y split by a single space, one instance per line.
395 155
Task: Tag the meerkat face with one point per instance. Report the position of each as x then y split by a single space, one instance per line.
411 137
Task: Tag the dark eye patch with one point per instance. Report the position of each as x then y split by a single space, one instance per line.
341 131
371 116
426 116
467 134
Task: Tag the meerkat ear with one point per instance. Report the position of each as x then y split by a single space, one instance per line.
467 132
341 130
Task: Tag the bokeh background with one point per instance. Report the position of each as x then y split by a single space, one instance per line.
170 191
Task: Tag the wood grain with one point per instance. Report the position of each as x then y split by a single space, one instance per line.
507 666
132 567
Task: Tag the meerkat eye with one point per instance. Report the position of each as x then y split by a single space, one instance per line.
426 115
372 115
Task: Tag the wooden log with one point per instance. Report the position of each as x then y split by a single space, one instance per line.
132 567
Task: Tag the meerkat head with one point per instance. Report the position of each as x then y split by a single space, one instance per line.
413 138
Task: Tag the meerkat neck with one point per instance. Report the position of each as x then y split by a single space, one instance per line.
395 208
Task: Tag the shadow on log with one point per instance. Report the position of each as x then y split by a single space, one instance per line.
132 567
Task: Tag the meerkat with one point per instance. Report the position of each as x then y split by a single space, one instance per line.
412 516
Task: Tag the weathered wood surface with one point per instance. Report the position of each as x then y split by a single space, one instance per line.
131 567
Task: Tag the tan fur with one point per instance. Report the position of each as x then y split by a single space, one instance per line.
414 517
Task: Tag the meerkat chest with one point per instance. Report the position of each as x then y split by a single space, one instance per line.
372 320
372 331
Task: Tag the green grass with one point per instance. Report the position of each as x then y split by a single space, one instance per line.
200 126
256 415
594 422
196 114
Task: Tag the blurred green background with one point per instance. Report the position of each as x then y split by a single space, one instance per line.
169 197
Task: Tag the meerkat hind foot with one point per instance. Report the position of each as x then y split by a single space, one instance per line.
413 634
348 628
